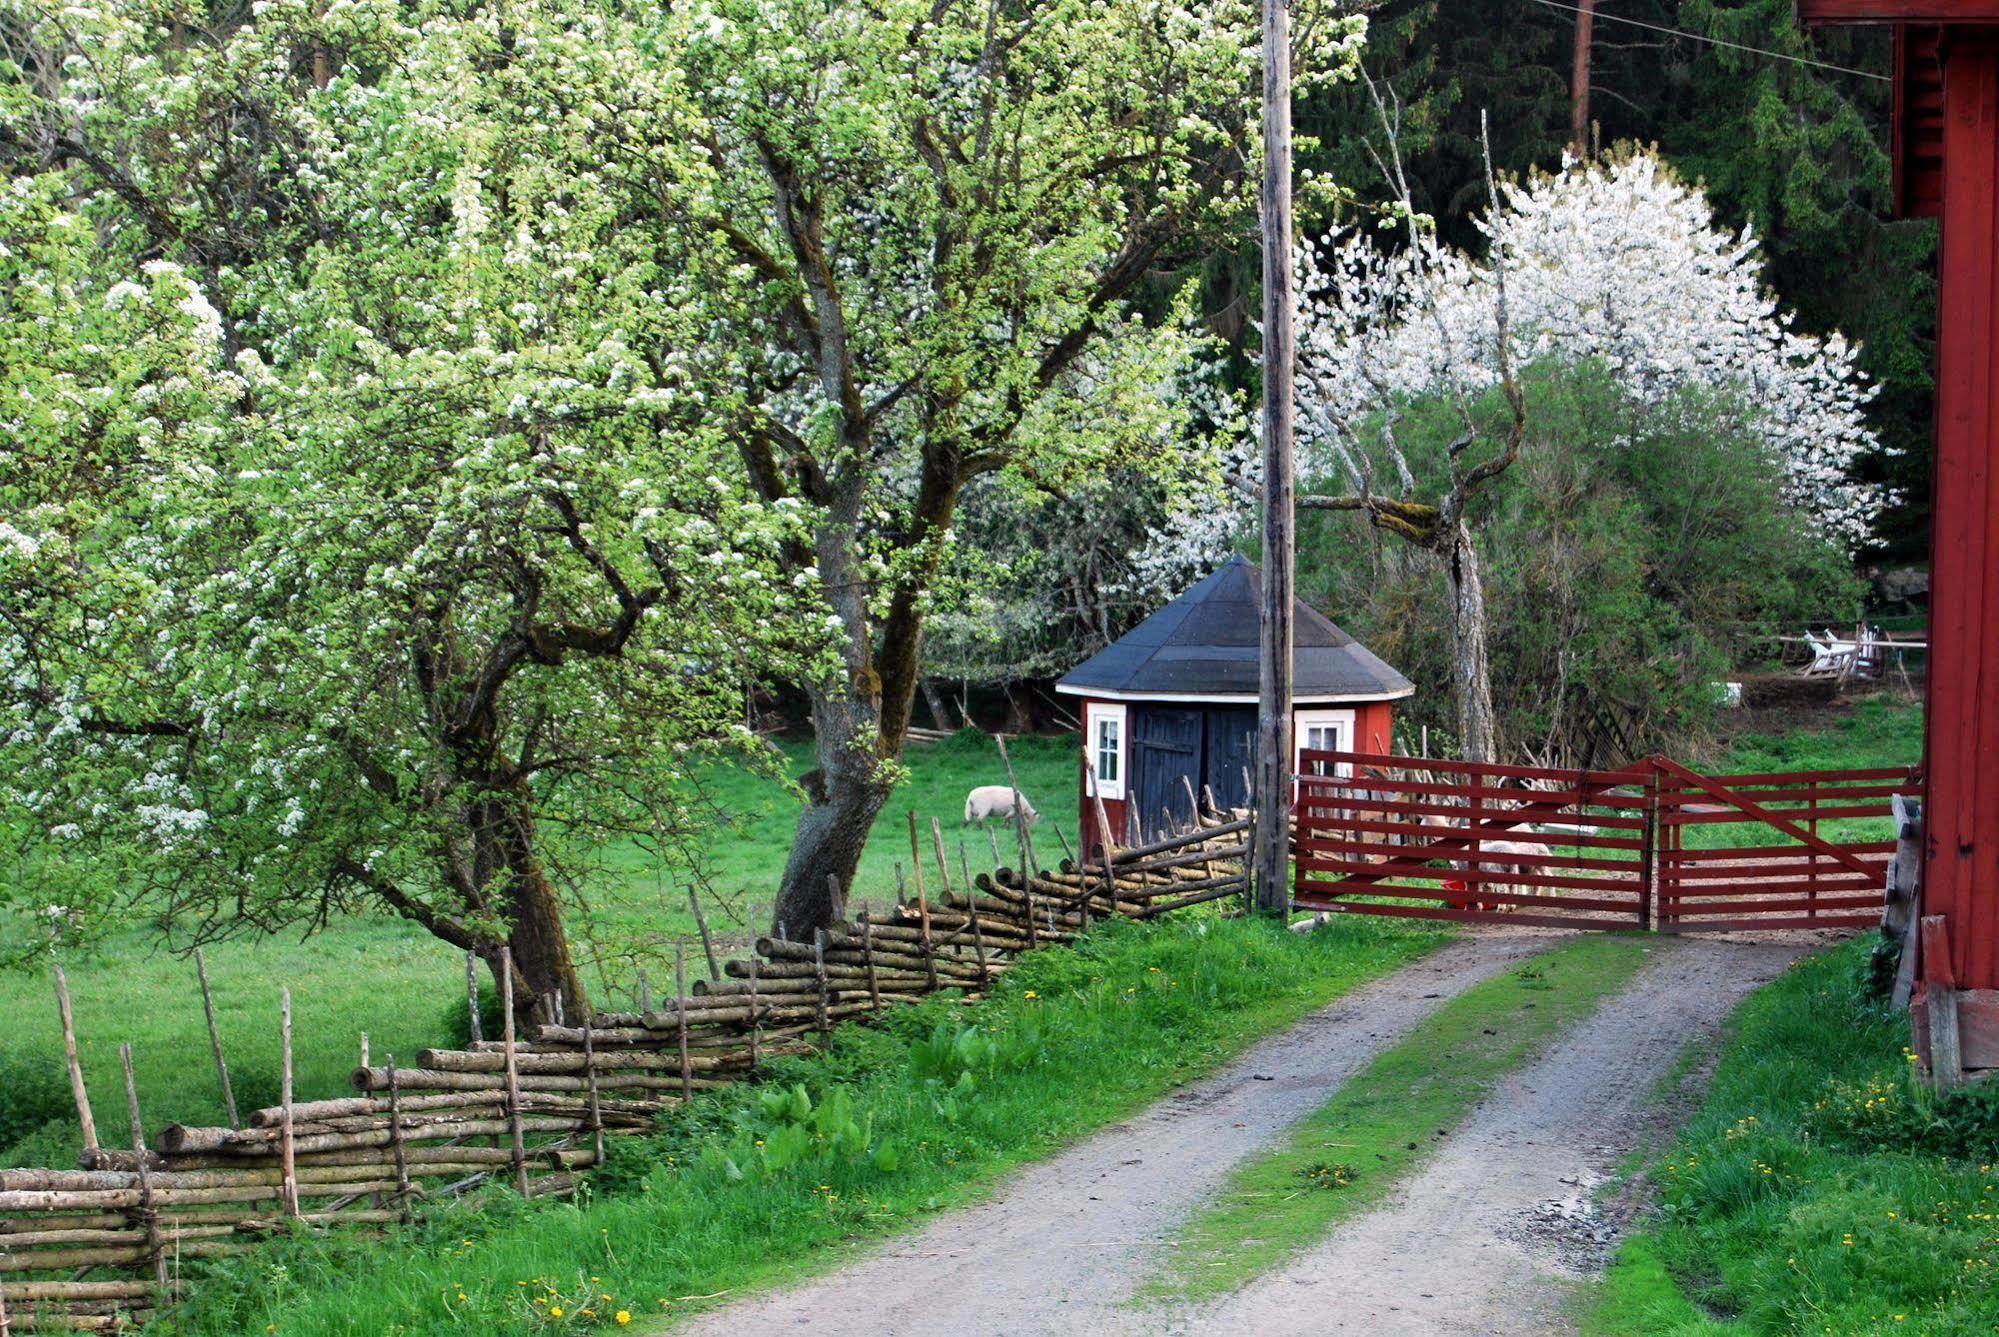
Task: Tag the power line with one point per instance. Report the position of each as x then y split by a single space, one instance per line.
1719 41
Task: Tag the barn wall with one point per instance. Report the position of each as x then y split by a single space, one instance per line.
1961 869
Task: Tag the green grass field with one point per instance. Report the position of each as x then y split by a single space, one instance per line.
392 980
1072 1039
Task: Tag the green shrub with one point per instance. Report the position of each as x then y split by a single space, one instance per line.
36 1093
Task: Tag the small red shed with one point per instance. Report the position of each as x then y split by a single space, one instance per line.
1946 155
1170 707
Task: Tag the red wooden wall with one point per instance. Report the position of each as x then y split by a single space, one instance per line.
1961 752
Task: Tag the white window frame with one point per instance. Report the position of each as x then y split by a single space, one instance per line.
1304 721
1095 715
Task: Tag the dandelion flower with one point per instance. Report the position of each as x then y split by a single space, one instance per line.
622 1317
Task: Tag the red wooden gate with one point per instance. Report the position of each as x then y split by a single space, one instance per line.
1790 849
1431 839
1427 839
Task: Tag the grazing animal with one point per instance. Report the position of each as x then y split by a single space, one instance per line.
1509 850
990 801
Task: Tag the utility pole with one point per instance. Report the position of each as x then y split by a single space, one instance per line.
1579 78
1272 853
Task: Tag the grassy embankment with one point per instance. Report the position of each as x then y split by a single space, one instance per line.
1820 1187
390 979
1348 1154
1073 1039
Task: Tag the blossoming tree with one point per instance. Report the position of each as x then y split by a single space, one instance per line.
573 364
1617 261
373 546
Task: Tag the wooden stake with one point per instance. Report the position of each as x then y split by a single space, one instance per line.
680 1015
5 1329
819 973
513 1071
590 1073
287 1162
77 1089
756 1020
396 1138
645 993
149 1216
944 877
701 924
472 997
215 1038
867 955
364 1050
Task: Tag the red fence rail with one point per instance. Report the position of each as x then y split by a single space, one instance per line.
1431 839
1793 849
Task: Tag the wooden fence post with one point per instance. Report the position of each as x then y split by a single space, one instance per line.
1648 857
215 1039
680 1014
868 957
819 977
396 1149
287 1161
77 1090
701 926
590 1077
472 997
756 1017
513 1071
149 1214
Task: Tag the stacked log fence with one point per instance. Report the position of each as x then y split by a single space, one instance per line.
106 1246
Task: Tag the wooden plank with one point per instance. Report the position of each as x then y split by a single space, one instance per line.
1466 916
1364 874
1978 1029
1753 923
1389 762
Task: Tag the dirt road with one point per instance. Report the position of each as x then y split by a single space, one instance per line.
1060 1242
1485 1238
1491 1234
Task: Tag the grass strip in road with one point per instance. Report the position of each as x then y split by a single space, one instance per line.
1822 1186
1347 1155
738 1192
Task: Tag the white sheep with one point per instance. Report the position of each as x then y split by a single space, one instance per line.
990 801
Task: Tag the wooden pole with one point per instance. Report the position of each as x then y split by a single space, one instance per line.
680 1015
645 993
1579 78
76 1087
287 1162
150 1216
472 997
1273 758
513 1071
756 1022
590 1073
701 925
819 977
396 1139
364 1050
868 956
215 1038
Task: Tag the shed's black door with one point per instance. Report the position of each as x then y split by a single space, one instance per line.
1165 759
1230 747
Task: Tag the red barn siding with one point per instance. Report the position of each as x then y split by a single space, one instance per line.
1961 865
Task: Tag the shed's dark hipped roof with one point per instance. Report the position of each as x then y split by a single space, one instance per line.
1204 644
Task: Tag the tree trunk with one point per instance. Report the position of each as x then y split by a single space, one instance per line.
935 700
842 799
1477 732
535 935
